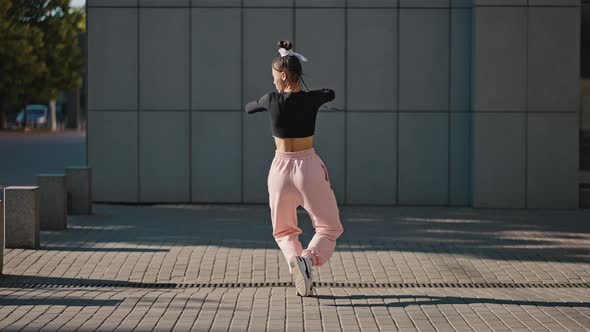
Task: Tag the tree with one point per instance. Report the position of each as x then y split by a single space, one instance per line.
54 28
20 64
62 55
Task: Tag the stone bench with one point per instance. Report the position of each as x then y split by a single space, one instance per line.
52 192
79 190
21 217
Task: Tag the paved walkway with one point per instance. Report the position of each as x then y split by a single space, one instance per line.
216 267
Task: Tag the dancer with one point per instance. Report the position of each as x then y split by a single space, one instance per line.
297 175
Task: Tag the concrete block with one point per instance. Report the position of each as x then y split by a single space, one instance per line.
79 190
53 196
21 217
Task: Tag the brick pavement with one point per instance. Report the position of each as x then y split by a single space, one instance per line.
279 309
210 244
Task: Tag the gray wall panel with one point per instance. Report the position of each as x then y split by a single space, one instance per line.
371 158
460 154
329 145
499 160
425 3
424 59
325 67
554 59
164 156
320 3
517 149
500 58
461 3
423 158
164 62
554 2
372 3
216 157
500 2
217 3
259 150
167 3
268 3
111 3
552 154
216 58
461 60
112 58
112 155
371 63
260 47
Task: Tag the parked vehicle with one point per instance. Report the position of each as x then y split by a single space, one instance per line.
37 116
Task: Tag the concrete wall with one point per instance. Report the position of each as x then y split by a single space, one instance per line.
439 110
526 88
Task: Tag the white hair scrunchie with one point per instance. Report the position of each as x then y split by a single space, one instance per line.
285 52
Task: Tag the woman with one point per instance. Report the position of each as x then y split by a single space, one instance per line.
297 175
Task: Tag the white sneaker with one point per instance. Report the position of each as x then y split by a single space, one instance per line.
301 270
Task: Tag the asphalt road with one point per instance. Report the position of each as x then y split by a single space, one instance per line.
25 155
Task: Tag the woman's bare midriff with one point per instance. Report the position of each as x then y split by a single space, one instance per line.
293 144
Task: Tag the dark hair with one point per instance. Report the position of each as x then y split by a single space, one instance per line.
289 63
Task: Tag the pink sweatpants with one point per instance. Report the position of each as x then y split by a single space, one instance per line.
295 179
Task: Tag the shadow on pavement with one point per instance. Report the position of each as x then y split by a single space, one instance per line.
409 300
19 301
28 281
531 235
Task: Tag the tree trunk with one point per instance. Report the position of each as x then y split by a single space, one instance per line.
25 102
73 109
3 116
52 117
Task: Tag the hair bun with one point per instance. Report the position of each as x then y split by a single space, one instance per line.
286 44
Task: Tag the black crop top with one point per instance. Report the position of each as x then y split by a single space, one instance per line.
293 114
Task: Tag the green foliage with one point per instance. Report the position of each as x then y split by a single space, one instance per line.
39 53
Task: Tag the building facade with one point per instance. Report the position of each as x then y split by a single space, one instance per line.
445 102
